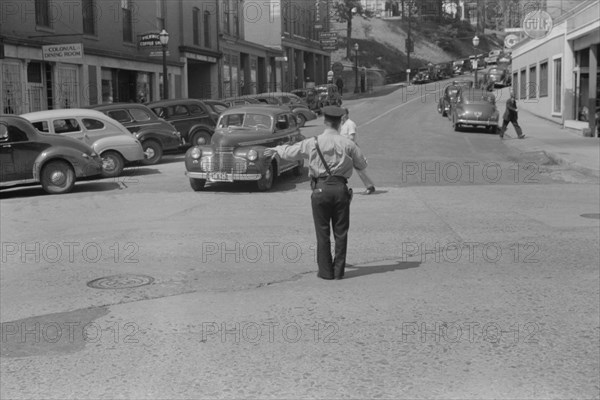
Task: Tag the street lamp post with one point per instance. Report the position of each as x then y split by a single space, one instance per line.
356 88
475 44
164 41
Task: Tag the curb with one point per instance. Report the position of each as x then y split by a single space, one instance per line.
562 161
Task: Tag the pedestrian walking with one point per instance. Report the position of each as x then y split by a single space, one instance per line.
340 85
511 114
331 160
348 130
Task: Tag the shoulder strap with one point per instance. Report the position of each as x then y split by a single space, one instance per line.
321 156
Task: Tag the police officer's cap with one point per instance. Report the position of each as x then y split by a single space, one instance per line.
333 112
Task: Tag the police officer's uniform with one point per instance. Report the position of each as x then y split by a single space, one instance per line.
331 196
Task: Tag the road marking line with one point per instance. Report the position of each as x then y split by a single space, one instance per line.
389 111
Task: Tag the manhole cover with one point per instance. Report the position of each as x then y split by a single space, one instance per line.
120 282
593 216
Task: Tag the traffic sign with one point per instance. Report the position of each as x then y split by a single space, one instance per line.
337 67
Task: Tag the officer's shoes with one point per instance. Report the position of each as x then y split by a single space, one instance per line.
370 189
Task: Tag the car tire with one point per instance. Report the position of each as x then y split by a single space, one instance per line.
57 177
301 120
200 138
266 181
197 184
153 151
112 164
298 169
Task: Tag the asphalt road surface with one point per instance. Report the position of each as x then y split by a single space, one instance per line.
474 274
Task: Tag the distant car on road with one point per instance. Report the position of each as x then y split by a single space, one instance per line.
28 156
290 100
475 108
108 137
192 118
155 134
496 77
311 97
328 95
236 151
449 95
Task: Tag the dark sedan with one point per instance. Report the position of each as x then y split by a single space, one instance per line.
29 156
192 118
236 151
475 108
155 134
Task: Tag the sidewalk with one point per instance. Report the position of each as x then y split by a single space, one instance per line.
563 146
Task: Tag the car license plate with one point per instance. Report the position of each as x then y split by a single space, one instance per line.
219 176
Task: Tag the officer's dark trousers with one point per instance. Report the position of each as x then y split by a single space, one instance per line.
515 123
331 208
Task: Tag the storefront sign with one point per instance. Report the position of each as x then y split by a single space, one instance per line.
59 52
151 39
537 24
510 41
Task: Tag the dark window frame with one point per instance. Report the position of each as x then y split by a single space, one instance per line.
127 14
88 15
196 26
42 13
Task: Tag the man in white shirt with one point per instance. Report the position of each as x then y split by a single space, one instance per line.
348 130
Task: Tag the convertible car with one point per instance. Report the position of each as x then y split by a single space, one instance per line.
475 108
236 150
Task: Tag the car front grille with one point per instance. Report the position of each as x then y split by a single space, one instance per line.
224 162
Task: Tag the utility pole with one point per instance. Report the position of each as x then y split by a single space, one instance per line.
408 48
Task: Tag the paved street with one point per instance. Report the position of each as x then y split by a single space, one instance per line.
474 274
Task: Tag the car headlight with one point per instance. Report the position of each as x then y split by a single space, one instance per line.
196 153
252 155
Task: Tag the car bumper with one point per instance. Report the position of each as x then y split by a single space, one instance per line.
223 176
476 122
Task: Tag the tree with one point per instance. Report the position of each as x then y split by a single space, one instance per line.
345 10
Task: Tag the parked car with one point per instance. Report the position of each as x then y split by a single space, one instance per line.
236 151
496 77
216 106
476 108
241 101
155 134
290 100
109 138
329 95
192 118
28 156
449 95
311 97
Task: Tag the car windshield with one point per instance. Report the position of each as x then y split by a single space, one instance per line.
245 120
478 97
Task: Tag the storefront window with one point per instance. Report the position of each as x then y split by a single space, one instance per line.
557 90
107 86
68 82
11 89
143 87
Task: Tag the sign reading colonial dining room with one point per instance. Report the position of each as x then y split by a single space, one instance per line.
59 52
